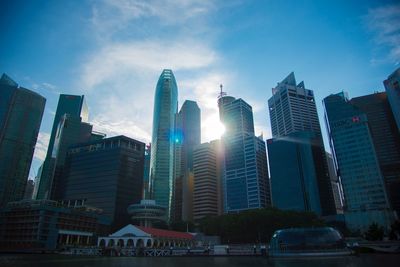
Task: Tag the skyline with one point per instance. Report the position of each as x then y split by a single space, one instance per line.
113 52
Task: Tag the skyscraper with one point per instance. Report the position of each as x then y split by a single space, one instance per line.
21 112
245 180
188 135
163 139
207 168
105 174
355 156
292 109
67 104
386 140
71 130
392 86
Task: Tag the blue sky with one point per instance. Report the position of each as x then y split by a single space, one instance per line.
113 51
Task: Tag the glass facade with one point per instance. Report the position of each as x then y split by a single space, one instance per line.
294 182
358 167
21 112
386 140
245 180
163 139
75 106
106 174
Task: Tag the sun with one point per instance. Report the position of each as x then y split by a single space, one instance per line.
212 128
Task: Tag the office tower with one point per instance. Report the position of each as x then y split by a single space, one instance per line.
187 136
106 174
335 183
207 169
67 104
292 109
21 112
293 170
163 139
392 86
357 163
245 181
71 130
146 171
29 189
386 140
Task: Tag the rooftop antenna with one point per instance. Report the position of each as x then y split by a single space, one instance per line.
221 93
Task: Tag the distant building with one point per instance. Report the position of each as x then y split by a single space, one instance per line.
106 174
146 172
358 167
245 180
207 191
75 106
147 212
292 109
71 130
187 136
29 189
163 139
43 225
21 112
392 86
294 179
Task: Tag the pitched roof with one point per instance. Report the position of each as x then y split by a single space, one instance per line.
165 233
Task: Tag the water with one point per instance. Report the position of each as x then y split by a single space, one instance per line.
365 260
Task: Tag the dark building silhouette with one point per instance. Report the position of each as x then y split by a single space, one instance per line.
21 112
76 107
106 174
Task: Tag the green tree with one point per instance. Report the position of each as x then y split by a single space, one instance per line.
375 232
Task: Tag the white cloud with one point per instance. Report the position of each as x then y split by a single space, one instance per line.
384 22
41 146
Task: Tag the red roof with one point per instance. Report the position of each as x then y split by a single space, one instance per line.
165 233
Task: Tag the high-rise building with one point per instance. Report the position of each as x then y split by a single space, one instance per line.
392 86
207 191
29 189
187 136
163 140
71 130
245 179
292 109
21 112
75 106
106 174
357 164
386 140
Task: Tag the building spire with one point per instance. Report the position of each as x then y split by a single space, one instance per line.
221 93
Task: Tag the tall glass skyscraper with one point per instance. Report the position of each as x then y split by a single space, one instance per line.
292 109
392 86
188 135
355 157
75 106
21 112
245 179
163 139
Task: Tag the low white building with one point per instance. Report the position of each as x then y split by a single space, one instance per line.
132 236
